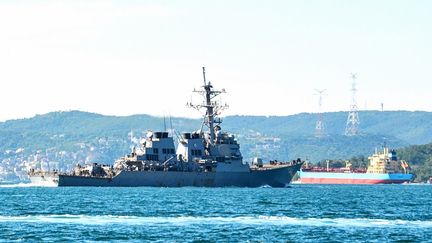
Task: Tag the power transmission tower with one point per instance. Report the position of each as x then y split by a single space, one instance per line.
319 126
353 121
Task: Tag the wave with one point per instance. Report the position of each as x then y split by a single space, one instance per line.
189 220
265 186
41 184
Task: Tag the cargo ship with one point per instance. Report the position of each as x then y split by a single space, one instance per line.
384 168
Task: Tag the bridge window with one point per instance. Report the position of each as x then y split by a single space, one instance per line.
196 152
152 157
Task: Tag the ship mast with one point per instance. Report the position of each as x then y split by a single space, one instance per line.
212 107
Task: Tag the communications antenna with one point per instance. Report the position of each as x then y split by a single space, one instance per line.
211 107
165 126
319 126
352 124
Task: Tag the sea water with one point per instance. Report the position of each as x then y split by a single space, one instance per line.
300 213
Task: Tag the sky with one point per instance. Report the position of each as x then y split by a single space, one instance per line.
144 57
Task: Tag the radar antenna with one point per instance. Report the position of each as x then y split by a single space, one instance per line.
211 107
165 126
205 82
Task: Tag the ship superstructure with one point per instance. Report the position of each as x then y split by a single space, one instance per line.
206 157
387 162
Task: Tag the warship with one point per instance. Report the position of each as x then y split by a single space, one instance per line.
208 157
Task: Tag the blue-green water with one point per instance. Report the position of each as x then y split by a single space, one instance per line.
301 213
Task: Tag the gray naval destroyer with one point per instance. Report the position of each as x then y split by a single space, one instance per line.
209 157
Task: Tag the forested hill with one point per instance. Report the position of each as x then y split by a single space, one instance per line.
398 128
420 159
74 136
410 127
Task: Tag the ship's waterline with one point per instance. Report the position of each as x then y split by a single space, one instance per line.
353 178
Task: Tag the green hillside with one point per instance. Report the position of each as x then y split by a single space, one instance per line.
420 158
74 136
410 127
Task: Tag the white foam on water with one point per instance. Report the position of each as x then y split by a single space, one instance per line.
189 220
41 184
265 186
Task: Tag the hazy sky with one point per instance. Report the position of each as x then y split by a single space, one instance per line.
134 57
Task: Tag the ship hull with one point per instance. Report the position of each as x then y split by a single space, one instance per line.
276 177
353 178
44 179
